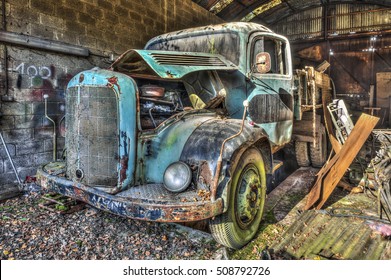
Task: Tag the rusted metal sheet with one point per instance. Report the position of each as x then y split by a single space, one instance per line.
328 235
333 171
337 232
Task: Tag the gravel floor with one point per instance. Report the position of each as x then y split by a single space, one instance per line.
28 232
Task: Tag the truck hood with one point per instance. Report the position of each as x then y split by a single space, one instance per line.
169 64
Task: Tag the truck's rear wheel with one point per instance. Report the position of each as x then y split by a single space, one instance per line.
236 227
318 152
301 152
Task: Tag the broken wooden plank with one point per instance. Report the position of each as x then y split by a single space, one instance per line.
330 175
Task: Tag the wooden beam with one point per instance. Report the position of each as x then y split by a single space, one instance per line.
330 175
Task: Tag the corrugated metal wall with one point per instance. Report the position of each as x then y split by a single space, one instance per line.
358 18
341 19
307 24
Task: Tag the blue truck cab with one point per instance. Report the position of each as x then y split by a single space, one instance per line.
182 130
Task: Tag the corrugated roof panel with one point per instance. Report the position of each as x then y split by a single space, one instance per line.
207 4
248 3
231 11
316 233
274 14
303 4
220 5
261 9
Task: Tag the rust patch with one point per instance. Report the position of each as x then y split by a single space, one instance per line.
205 176
80 195
124 166
205 195
113 81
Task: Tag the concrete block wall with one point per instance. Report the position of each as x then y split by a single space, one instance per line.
104 27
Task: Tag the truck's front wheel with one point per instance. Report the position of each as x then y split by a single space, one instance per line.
236 227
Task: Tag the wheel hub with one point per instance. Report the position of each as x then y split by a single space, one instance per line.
248 196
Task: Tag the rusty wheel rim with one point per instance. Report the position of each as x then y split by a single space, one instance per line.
248 196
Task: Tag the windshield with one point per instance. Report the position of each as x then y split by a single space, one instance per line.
226 44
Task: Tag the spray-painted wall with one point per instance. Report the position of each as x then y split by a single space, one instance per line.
106 28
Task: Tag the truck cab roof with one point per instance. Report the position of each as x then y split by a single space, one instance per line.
243 28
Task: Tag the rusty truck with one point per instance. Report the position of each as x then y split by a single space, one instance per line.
184 129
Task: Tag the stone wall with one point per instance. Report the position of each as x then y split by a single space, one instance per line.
106 28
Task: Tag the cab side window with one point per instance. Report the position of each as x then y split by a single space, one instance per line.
268 56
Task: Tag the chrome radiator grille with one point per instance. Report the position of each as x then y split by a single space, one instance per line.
91 135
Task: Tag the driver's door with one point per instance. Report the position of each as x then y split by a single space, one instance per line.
270 96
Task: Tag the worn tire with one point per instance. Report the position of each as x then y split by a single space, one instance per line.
301 153
318 153
239 224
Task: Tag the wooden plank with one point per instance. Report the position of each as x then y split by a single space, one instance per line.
330 175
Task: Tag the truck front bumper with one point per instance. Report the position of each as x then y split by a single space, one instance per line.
151 209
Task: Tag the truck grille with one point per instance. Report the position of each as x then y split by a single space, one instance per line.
91 135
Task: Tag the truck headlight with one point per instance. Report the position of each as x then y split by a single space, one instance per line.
177 177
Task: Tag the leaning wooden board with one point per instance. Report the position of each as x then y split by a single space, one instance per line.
330 175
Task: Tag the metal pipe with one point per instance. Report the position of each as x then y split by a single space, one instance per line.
220 159
5 53
45 96
38 43
150 114
12 162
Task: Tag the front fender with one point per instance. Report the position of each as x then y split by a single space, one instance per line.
204 145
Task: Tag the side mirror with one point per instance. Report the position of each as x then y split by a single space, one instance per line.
263 62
